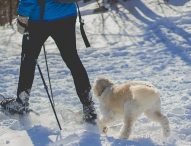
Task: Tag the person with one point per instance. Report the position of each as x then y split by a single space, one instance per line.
58 22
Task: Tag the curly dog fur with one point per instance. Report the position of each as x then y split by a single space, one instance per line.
129 100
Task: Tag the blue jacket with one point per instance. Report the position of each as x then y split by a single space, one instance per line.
53 10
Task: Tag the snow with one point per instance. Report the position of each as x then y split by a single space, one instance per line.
139 40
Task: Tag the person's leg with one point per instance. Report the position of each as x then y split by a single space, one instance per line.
32 43
33 40
65 38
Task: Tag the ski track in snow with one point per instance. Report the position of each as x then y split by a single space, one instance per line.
142 41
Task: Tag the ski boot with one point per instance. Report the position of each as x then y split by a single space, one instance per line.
89 112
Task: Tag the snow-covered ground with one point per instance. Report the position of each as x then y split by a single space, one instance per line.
137 40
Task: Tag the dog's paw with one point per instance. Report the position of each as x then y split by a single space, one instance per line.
123 136
105 129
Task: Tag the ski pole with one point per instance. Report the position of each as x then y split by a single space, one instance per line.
47 68
46 88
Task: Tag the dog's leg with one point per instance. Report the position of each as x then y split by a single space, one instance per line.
159 117
126 128
102 124
131 112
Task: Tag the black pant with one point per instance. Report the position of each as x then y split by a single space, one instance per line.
63 33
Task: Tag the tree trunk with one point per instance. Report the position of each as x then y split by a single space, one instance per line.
8 11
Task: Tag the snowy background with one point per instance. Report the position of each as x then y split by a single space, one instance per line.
136 40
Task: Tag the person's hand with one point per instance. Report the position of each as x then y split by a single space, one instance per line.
22 23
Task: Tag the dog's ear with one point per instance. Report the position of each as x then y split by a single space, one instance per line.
97 89
100 85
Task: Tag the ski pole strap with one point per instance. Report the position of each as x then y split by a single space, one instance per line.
84 36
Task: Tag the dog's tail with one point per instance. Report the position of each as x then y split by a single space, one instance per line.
145 95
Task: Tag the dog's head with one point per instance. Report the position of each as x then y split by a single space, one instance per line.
100 85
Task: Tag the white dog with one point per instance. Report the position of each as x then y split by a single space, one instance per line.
129 100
